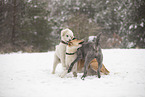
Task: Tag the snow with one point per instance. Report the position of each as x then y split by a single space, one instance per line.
131 26
29 0
130 44
107 1
142 24
35 17
135 26
91 38
29 75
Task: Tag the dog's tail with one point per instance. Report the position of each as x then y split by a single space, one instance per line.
98 39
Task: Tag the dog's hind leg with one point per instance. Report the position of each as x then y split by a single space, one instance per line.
56 61
99 67
75 74
88 59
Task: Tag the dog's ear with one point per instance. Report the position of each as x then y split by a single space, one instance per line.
70 43
98 39
63 32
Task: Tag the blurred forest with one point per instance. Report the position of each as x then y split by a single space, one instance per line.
35 25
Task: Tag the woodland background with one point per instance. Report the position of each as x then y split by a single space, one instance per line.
35 25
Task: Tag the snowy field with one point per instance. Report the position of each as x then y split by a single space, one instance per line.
29 75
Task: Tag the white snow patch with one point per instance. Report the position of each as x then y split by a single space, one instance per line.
142 24
131 26
135 26
29 75
35 5
131 44
29 0
91 38
35 33
107 2
35 17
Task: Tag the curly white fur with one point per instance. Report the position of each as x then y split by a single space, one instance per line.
59 56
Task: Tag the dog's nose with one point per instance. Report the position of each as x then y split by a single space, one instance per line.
73 38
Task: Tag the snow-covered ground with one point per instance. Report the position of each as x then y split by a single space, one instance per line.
29 75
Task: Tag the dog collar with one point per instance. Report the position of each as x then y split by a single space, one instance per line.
64 42
74 38
78 48
70 53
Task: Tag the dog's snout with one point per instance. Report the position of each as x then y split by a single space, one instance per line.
81 42
73 38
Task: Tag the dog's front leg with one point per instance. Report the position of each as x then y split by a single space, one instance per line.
63 61
99 66
88 59
72 64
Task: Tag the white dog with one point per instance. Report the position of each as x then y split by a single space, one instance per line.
71 55
59 56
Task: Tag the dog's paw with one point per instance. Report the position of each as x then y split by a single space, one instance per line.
53 72
99 76
83 77
63 74
64 66
75 74
69 70
98 73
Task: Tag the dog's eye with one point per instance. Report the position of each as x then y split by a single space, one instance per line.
66 35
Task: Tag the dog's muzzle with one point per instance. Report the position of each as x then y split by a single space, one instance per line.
74 38
81 42
70 53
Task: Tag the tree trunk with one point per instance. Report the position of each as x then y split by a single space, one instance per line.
13 23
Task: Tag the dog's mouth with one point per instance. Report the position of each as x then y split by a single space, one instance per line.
74 38
71 39
81 42
68 41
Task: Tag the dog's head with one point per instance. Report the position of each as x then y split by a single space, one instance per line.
66 35
75 43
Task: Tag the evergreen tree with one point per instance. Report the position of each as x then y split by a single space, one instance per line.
36 27
137 28
10 21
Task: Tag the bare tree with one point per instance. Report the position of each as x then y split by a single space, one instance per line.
13 21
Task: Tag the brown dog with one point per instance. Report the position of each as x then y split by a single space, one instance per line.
93 66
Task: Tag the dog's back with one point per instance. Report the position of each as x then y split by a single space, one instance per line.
86 47
91 47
